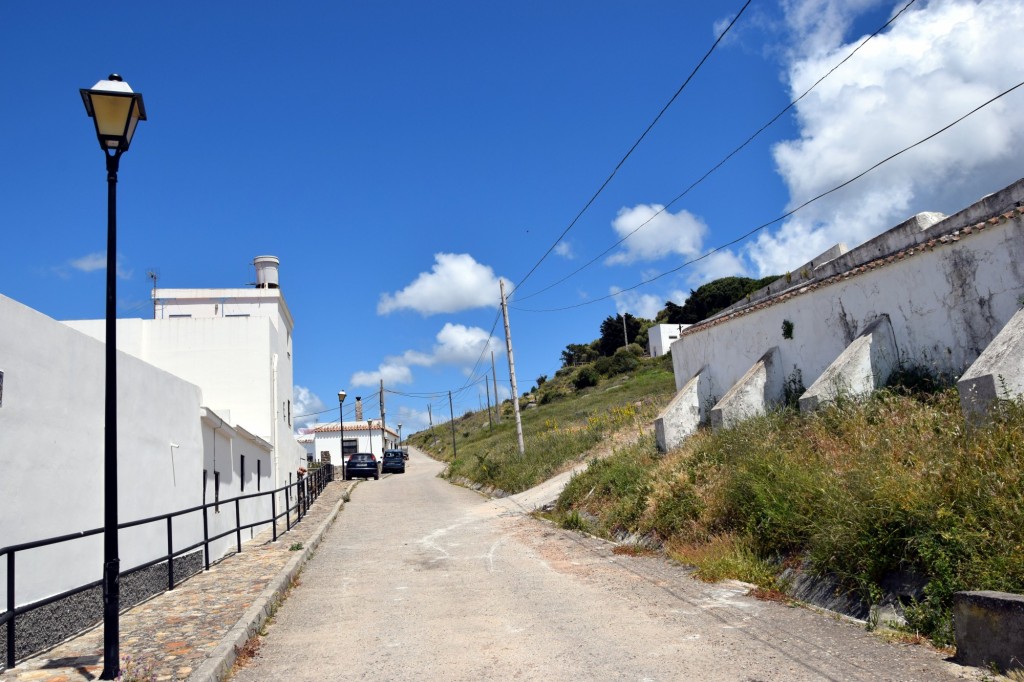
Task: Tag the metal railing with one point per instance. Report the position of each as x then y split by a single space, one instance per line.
306 490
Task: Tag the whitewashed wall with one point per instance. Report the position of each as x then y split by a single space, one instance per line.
51 451
947 291
660 338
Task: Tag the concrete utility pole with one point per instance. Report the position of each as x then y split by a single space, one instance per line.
625 337
430 419
497 400
512 370
490 424
451 411
383 434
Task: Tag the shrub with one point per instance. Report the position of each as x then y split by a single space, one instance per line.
584 378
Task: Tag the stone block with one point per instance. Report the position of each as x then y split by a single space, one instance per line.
862 367
684 413
997 373
989 629
762 386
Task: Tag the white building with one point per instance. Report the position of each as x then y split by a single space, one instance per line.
236 345
359 436
660 337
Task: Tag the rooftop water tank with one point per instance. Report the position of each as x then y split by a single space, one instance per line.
266 272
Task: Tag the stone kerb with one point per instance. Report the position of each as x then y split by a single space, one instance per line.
989 629
684 413
861 368
997 373
761 387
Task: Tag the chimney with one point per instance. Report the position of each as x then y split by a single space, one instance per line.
266 272
359 409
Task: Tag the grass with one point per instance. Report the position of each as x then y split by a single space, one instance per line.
899 482
563 425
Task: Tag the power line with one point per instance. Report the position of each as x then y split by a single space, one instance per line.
724 160
631 149
784 215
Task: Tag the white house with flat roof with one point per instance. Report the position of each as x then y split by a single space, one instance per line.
660 337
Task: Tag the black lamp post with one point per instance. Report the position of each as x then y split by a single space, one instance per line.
341 431
115 110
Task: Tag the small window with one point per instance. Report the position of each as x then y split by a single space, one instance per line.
259 473
241 474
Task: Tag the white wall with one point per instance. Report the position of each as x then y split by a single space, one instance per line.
946 301
51 451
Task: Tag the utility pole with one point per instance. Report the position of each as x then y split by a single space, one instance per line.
383 434
512 370
430 418
497 401
625 338
490 423
451 411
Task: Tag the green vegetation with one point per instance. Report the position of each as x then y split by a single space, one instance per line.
711 298
557 430
860 489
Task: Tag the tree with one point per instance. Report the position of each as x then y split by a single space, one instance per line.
711 298
612 335
578 354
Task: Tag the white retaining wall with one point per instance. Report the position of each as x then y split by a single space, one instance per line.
948 287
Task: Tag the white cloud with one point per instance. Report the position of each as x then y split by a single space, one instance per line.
636 304
305 402
723 263
98 261
664 234
564 249
456 282
456 345
937 62
412 420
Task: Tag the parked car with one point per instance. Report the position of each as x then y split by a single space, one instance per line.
362 465
394 460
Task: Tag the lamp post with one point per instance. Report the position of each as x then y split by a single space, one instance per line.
341 430
399 436
115 110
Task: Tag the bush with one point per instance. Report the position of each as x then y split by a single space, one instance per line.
585 377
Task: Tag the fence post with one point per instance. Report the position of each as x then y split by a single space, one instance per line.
170 554
238 526
206 536
273 513
10 610
287 508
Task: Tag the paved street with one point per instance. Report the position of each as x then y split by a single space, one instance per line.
418 579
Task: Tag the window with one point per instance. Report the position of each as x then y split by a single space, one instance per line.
241 474
289 413
259 473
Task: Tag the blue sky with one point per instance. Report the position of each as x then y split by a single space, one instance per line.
399 157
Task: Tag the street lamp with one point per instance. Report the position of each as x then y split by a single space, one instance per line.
115 110
399 436
341 430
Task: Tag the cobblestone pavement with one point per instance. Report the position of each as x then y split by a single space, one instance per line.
174 633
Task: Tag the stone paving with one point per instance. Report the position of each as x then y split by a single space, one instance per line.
171 636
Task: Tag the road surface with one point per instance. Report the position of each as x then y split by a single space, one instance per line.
422 580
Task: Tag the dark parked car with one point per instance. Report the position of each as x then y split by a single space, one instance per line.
394 460
362 465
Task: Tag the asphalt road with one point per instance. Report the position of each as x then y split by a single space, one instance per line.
422 580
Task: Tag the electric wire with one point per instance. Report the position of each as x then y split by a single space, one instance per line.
725 159
784 215
636 144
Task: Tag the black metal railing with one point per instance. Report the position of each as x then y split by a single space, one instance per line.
306 490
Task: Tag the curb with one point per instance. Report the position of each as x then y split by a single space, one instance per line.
223 656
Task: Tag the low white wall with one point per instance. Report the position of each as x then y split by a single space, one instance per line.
51 452
948 289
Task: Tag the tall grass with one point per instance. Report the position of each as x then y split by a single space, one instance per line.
861 489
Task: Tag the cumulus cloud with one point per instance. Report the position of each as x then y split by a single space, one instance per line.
305 405
456 345
564 249
664 233
456 282
936 62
